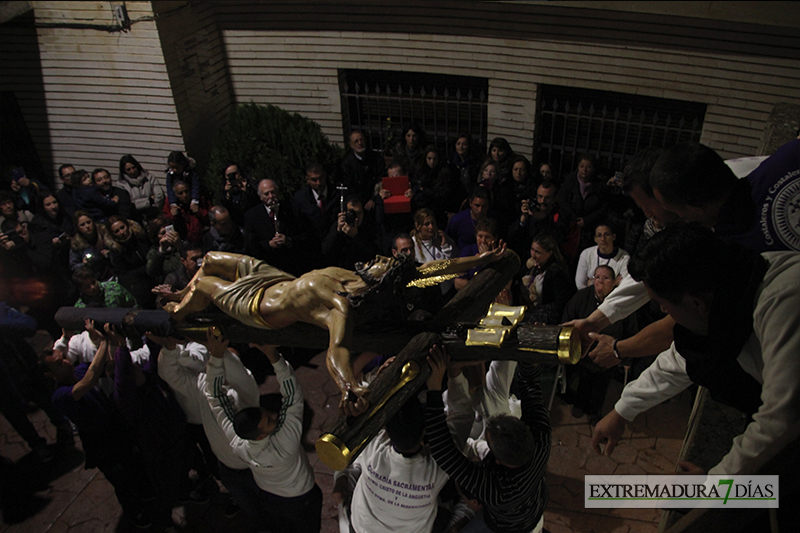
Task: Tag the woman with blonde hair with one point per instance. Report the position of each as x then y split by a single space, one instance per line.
129 245
431 243
89 246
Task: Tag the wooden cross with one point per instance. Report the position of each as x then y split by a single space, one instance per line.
389 391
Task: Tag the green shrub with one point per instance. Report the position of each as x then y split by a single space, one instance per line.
268 142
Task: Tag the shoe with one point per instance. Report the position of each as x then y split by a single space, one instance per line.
577 412
232 509
141 521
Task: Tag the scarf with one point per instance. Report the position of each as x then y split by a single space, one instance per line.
223 243
711 360
137 181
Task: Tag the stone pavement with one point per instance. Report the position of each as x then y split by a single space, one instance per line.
68 498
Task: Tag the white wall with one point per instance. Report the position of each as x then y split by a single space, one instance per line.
107 94
297 71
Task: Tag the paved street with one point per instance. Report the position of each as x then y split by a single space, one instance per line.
70 499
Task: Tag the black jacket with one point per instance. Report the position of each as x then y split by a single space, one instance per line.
557 288
260 229
361 175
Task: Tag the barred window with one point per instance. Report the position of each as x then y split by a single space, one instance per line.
608 125
381 102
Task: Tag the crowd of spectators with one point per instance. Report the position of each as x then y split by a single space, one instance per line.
103 242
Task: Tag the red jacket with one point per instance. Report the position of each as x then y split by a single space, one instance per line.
190 226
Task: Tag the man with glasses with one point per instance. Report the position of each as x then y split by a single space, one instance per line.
224 235
64 195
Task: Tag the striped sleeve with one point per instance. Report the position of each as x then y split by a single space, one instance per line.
513 499
241 380
469 475
290 418
534 411
215 391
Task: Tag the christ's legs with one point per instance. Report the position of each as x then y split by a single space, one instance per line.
197 297
340 328
220 264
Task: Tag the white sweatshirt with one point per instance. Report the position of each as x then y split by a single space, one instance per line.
279 464
188 387
770 355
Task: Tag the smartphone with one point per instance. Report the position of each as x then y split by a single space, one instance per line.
170 228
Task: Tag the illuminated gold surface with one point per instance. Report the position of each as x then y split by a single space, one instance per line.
433 280
201 329
255 311
409 372
333 452
436 266
491 330
569 345
487 336
498 312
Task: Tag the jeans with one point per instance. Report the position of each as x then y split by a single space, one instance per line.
301 514
245 492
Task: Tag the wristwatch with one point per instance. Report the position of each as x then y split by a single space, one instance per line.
614 348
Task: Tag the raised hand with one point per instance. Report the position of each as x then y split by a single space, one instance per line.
438 360
216 344
113 336
270 350
170 343
94 335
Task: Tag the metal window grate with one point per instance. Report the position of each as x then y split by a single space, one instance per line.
610 126
381 102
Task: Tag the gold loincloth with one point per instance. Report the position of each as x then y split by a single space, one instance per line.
241 298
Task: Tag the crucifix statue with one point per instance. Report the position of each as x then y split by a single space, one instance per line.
259 295
330 307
